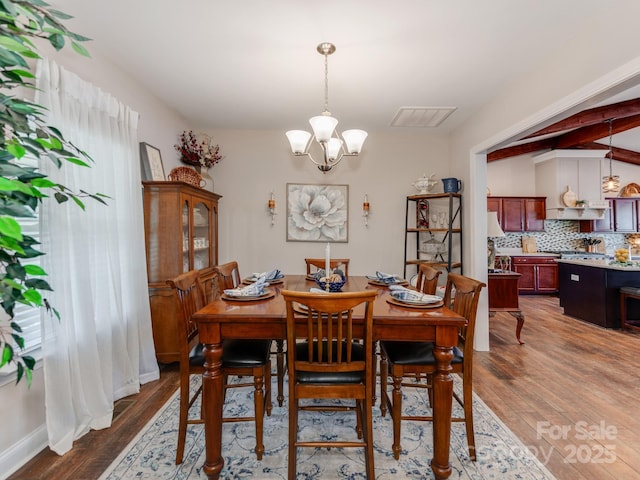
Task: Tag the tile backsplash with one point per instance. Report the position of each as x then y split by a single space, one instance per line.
562 235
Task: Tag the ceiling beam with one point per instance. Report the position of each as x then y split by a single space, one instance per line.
596 132
577 138
620 154
592 116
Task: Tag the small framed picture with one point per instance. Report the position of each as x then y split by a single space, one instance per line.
151 163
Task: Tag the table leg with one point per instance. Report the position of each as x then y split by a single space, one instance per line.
280 370
442 405
212 400
520 318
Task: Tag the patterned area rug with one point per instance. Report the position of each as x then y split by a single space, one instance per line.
151 455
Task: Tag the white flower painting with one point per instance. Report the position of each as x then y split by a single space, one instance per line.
317 213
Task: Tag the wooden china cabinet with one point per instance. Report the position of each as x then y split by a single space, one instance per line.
181 234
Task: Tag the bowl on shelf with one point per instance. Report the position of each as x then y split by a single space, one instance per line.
335 286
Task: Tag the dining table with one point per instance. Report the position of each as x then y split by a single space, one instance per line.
266 319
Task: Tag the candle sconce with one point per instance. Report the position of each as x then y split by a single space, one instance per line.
365 210
272 209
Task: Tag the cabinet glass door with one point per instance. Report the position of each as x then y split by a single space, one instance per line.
186 240
201 236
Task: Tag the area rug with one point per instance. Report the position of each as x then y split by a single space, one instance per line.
151 455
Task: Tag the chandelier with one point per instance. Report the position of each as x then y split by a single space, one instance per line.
610 183
324 125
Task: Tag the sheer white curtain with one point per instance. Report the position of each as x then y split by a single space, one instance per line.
102 348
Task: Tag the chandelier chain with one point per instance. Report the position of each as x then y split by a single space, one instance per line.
326 81
610 149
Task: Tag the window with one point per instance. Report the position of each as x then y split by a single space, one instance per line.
28 318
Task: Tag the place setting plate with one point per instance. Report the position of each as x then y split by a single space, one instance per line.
433 302
303 309
250 280
249 298
380 283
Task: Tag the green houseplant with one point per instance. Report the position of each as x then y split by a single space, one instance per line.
25 133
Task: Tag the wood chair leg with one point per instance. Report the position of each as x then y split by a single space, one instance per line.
258 402
467 398
368 435
183 416
359 417
293 437
280 370
396 414
383 384
267 388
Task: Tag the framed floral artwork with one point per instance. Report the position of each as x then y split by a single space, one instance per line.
317 213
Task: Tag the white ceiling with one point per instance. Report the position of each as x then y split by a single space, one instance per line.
252 64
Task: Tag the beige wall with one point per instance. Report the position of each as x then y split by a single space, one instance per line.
256 163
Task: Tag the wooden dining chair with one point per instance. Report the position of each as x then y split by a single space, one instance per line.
403 359
248 358
427 281
330 363
315 264
228 276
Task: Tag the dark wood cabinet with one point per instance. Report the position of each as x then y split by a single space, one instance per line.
181 234
539 274
519 214
605 224
623 216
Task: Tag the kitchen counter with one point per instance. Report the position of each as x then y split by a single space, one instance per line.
512 252
590 290
605 264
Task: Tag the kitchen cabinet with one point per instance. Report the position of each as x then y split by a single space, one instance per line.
519 214
605 224
444 227
539 274
181 234
591 292
623 216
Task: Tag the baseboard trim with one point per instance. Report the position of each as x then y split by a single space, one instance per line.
21 452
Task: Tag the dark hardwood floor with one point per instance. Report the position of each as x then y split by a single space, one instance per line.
563 393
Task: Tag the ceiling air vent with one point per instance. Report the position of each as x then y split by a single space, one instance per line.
421 116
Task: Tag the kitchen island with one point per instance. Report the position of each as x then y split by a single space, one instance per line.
590 290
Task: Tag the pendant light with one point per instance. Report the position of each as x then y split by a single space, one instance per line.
610 183
323 126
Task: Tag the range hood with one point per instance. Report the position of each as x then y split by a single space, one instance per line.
579 171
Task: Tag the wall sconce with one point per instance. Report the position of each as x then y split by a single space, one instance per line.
365 210
272 209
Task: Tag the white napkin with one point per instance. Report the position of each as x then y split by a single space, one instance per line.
253 290
402 293
384 277
272 275
317 290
